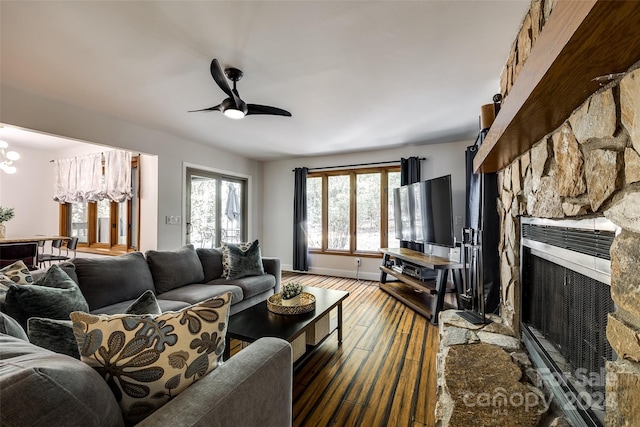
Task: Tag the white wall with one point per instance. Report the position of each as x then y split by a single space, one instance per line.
442 159
30 111
29 192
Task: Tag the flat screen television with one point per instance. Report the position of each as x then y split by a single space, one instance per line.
423 212
437 212
402 211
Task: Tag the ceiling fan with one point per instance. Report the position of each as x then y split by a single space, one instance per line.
234 107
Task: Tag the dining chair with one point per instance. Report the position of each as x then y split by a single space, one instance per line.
44 258
72 245
40 258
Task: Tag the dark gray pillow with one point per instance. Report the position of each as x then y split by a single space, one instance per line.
173 269
57 335
109 280
52 296
54 335
244 263
9 326
145 304
211 260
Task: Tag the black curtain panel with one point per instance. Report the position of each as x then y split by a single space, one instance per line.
409 170
300 244
409 174
482 214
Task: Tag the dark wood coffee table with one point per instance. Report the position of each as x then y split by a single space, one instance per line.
257 322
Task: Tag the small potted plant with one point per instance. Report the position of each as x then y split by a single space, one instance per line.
5 215
290 294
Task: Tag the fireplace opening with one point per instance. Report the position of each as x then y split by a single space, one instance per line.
566 298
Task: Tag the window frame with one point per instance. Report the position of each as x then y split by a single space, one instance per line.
92 246
384 209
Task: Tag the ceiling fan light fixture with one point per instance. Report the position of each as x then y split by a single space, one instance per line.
233 113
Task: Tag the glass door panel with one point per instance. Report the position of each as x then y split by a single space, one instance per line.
123 217
80 221
202 211
103 225
231 223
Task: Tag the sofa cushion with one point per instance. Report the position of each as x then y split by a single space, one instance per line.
251 285
109 280
211 260
52 296
146 360
172 269
198 292
9 326
38 387
244 262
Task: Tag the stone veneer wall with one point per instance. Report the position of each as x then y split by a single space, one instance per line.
588 166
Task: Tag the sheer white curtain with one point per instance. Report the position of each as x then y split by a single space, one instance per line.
117 175
80 179
64 180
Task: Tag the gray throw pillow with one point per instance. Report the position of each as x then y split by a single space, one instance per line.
54 295
57 335
9 326
54 335
145 304
244 263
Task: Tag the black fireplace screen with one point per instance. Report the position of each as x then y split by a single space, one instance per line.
569 310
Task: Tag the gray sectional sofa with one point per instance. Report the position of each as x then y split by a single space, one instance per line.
254 387
179 278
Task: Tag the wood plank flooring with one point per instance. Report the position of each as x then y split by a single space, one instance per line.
384 372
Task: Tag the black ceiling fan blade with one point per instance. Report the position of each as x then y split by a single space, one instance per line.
264 109
221 80
216 108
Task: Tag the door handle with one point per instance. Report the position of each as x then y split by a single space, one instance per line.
188 228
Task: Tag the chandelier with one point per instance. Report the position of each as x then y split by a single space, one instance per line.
7 158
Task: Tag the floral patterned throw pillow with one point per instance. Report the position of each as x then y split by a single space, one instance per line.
149 359
14 274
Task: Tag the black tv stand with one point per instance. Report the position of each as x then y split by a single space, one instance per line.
419 292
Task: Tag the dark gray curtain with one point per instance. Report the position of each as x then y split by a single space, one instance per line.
409 170
410 173
300 245
482 214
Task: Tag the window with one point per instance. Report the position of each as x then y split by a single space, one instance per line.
351 211
105 226
216 208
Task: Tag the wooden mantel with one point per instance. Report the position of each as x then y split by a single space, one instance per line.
580 41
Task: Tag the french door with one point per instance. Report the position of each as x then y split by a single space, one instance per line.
216 209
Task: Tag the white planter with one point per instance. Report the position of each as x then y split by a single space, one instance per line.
292 302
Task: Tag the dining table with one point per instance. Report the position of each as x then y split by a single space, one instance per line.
24 248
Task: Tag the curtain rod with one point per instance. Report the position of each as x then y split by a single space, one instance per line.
358 164
102 152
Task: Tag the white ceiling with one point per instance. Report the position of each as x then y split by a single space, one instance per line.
356 75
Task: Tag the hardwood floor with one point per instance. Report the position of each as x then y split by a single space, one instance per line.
384 372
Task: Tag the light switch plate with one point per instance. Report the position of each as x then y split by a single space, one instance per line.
173 219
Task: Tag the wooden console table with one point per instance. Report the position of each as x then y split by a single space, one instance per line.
413 294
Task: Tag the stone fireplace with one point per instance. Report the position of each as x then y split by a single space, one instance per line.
586 169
